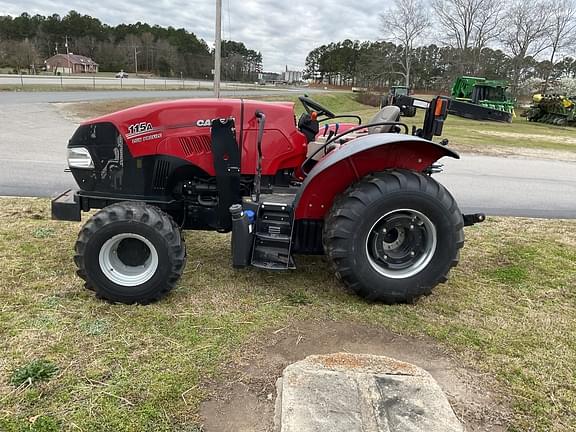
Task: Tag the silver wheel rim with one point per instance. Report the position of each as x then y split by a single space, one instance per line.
401 243
122 273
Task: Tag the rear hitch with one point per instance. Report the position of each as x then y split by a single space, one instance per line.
472 219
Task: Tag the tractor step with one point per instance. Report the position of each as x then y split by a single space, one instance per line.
271 258
273 233
282 238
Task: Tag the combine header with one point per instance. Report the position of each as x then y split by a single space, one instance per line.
552 109
481 99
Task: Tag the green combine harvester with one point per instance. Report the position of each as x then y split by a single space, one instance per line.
553 109
481 99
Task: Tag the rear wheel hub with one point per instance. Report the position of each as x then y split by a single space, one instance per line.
401 243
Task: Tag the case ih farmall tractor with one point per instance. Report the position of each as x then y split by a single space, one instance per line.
361 194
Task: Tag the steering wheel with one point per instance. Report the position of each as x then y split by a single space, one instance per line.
311 105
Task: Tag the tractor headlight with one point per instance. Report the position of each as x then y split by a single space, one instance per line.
79 157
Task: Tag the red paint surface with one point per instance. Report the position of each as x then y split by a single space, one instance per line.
175 123
319 194
283 146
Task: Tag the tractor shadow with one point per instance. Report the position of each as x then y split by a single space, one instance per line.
209 267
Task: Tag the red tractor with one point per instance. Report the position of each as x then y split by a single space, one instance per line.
361 194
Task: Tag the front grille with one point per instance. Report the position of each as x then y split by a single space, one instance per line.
196 144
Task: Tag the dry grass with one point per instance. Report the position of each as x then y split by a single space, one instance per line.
520 137
507 311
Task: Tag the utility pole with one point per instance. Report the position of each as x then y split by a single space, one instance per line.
136 61
68 56
218 49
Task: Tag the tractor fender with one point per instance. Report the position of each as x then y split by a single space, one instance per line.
358 158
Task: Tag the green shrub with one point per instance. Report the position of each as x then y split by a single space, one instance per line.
35 371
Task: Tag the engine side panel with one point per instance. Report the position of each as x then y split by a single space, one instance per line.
358 158
115 170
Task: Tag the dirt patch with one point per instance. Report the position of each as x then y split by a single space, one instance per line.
533 137
243 399
525 152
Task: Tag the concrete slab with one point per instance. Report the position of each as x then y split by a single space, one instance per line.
365 393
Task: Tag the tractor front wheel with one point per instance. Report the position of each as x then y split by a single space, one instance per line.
394 236
409 112
130 252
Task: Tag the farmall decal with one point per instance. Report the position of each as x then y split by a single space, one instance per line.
139 128
143 131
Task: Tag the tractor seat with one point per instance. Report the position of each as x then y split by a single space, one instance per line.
389 113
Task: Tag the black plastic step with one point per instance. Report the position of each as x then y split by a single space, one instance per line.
272 258
273 234
274 229
280 216
277 199
283 238
274 265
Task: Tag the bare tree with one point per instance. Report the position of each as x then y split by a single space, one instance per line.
405 23
525 36
561 33
468 25
22 55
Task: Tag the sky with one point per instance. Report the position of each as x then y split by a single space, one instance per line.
283 31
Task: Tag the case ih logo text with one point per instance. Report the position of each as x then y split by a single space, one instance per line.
139 128
208 123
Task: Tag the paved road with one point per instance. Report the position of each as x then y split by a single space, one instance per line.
33 138
512 186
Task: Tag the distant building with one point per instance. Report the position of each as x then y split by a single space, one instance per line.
286 77
268 77
291 77
71 63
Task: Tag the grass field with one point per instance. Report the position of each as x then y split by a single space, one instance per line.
507 312
520 137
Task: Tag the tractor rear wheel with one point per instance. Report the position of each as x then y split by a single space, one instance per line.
409 112
394 236
130 252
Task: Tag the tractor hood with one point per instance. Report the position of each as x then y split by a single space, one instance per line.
157 117
145 128
109 151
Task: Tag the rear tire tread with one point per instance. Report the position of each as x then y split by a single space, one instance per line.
345 216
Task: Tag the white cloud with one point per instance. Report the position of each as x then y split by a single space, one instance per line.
284 31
